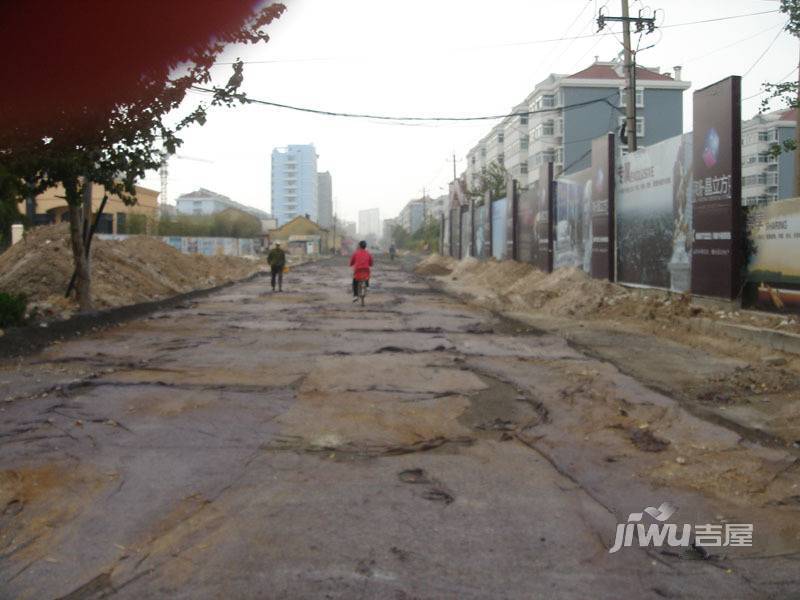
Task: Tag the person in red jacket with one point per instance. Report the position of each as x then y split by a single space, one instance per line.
361 261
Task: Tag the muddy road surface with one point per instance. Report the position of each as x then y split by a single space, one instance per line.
252 444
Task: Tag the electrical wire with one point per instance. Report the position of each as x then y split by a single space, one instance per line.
762 92
330 113
763 54
731 45
509 44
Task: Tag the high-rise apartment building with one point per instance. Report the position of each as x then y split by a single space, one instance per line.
294 183
325 199
369 222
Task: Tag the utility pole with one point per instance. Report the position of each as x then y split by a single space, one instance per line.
630 70
454 167
630 63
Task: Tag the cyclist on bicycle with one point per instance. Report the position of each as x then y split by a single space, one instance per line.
361 261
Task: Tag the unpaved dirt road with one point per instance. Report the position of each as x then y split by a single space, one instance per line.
294 445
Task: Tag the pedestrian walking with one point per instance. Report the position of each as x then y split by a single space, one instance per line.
276 259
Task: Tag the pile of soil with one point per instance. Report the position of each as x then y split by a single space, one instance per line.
138 269
570 292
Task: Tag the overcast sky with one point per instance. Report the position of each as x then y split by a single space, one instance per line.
439 58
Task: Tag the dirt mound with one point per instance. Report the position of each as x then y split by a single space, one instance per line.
435 265
138 269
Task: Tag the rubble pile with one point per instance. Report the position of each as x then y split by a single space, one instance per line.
138 269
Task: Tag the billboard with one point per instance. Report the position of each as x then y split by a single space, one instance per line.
499 221
479 224
543 231
512 190
774 262
455 232
466 232
654 215
717 179
573 221
527 206
602 235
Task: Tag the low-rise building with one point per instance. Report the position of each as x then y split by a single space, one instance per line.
206 202
304 236
51 207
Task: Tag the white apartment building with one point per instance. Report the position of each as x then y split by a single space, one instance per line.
766 177
566 112
369 222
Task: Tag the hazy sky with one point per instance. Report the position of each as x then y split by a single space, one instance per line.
439 58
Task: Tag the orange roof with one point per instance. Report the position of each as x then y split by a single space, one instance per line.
604 71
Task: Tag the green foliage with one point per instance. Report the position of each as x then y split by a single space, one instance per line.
425 239
134 225
12 309
115 143
218 225
786 92
792 9
492 179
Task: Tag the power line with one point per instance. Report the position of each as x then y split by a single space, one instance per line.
763 54
736 43
762 92
508 44
331 113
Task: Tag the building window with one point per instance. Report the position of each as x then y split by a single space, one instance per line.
523 119
763 136
524 142
544 130
500 138
501 159
523 168
623 97
544 102
639 125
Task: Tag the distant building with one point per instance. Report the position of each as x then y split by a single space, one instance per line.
564 113
388 230
206 202
437 206
294 183
766 177
348 228
51 207
369 222
325 199
303 236
412 217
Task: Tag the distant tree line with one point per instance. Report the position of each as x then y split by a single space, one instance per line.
424 239
234 225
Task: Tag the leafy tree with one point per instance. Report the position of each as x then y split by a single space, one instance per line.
113 139
492 179
787 92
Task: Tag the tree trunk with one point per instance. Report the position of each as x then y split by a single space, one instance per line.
83 282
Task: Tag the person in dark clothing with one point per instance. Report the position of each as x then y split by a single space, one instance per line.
276 259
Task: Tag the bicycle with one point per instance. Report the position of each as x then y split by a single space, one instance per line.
362 291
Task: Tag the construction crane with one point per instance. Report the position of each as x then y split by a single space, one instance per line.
163 171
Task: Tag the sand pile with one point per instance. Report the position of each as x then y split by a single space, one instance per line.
569 292
510 285
135 270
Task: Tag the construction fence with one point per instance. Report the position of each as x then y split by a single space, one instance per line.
207 246
668 216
